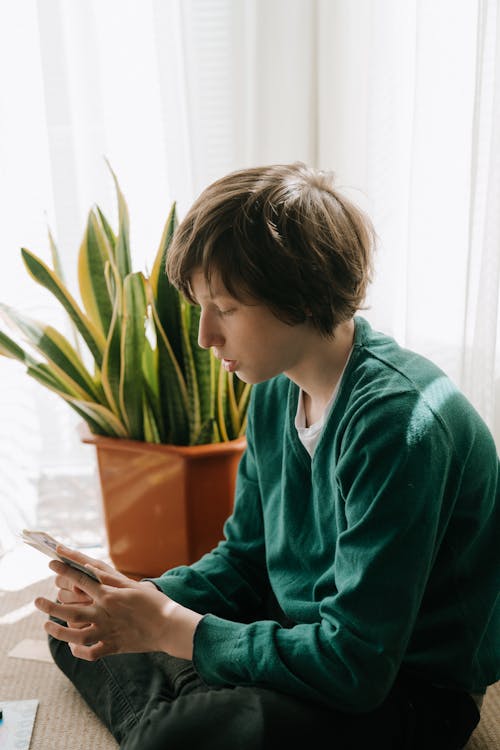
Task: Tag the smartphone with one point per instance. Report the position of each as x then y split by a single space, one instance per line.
45 543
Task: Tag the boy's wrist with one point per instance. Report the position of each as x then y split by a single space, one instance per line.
181 624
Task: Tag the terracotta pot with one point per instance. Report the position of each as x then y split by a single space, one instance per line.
163 505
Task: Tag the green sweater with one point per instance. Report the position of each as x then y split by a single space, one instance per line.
383 550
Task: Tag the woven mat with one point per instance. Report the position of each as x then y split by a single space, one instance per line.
64 722
487 734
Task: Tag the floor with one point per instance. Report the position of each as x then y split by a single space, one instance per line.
68 507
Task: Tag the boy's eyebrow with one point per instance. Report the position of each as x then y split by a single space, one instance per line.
214 295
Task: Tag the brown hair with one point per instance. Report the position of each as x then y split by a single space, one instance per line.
281 234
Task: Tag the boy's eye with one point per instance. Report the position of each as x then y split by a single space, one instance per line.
228 311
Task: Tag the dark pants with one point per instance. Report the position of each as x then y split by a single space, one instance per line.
158 702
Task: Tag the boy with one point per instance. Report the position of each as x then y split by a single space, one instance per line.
355 594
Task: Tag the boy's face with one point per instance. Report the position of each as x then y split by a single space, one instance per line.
246 336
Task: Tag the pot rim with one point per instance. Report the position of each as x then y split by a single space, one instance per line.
192 451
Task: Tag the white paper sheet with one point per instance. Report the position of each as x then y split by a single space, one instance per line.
29 648
17 724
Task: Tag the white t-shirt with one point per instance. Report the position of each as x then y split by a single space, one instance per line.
309 436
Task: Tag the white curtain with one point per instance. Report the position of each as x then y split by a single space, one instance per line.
399 97
413 122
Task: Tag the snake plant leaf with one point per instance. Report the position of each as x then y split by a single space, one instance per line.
10 348
56 260
58 270
190 372
150 369
222 404
209 433
122 246
95 253
55 347
43 275
108 229
243 406
150 362
151 431
233 414
133 340
198 371
111 361
40 370
202 365
107 421
167 298
54 378
173 390
42 375
215 365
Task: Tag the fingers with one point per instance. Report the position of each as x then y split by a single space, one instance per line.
72 579
67 612
78 625
81 558
73 596
82 636
73 554
91 653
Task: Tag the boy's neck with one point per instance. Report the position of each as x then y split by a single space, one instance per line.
322 370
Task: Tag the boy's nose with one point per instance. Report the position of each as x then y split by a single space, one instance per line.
208 334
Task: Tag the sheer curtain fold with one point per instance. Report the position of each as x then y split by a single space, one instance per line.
399 99
481 346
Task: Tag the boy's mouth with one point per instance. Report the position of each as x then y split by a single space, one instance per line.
229 365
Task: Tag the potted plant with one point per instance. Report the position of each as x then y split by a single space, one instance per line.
167 421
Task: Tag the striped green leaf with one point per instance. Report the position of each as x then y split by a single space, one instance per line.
111 362
43 275
150 369
53 377
202 366
233 417
190 372
209 433
222 404
243 401
55 347
172 386
45 375
108 230
167 298
133 339
58 270
99 419
151 431
9 348
107 421
122 246
95 253
56 260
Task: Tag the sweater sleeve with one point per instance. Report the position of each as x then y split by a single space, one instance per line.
393 483
231 580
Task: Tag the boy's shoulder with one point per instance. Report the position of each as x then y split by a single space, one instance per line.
396 384
380 357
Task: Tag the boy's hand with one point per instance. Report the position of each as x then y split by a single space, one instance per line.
68 592
117 615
